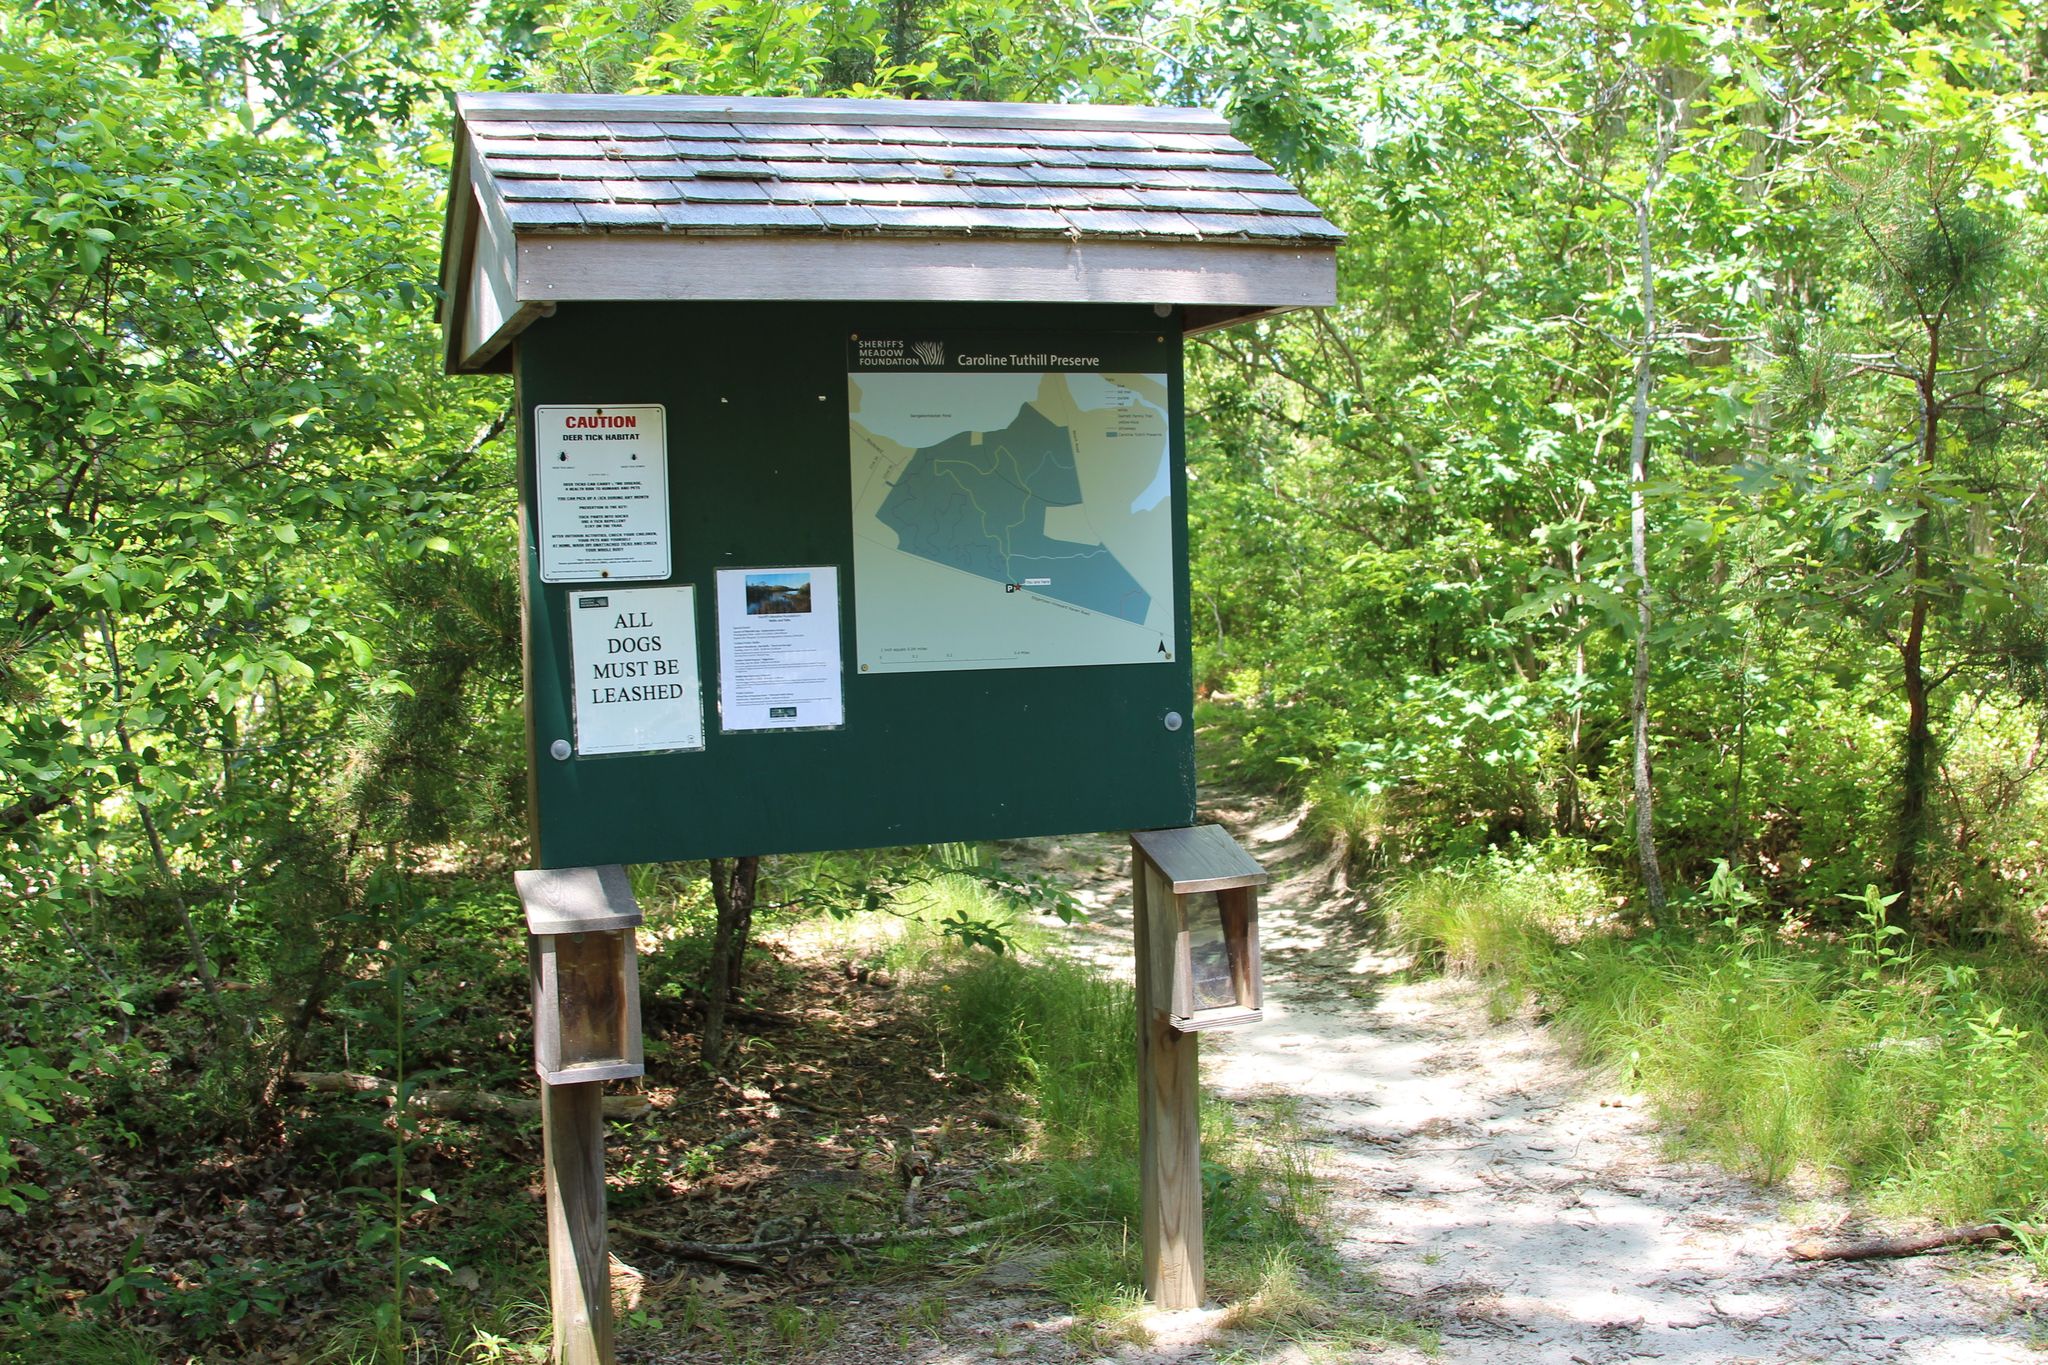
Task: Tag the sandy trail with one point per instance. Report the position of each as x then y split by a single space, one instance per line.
1522 1206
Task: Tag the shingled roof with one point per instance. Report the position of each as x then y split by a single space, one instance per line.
557 197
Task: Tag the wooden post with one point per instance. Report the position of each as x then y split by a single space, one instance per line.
579 1264
1169 1112
586 1031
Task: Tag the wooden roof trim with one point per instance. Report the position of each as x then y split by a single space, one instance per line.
500 272
936 270
506 280
1115 118
1215 285
486 308
458 250
1208 317
1199 858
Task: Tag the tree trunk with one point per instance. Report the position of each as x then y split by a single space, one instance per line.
202 965
1916 772
742 933
1735 812
1571 810
1916 775
1639 526
732 891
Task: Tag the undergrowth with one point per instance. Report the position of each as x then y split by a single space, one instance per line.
1914 1074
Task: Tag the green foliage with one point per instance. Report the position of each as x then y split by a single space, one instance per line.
28 1091
1411 574
221 438
1919 1085
1046 1027
931 49
79 1344
1366 828
955 889
441 758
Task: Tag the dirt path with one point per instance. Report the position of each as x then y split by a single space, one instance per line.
1518 1204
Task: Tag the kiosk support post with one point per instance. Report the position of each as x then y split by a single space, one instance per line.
1196 907
1169 1112
579 1265
586 1031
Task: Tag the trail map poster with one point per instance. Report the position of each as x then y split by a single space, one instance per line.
1012 508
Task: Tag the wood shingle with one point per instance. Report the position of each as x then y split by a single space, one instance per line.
542 181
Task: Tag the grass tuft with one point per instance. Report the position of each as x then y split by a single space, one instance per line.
93 1344
1055 1031
1279 1299
1363 827
1497 918
1927 1088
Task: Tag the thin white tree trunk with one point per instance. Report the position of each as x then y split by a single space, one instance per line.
1639 520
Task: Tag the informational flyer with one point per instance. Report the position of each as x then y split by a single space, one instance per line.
638 688
601 492
779 662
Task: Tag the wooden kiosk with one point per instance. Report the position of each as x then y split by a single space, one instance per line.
852 462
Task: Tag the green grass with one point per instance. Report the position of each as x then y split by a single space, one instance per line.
1040 1027
1496 919
1926 1086
1061 1038
1364 827
72 1343
1916 1077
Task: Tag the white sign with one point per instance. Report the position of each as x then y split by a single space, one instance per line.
601 476
638 690
779 665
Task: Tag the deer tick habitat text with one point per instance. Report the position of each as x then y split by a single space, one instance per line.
602 482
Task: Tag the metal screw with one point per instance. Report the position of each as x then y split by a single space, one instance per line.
1172 720
560 751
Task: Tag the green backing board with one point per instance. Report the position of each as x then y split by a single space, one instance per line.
756 399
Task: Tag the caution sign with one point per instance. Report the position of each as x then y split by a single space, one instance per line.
601 484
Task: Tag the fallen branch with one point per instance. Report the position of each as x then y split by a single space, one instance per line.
672 1009
742 1014
747 1253
1910 1244
459 1103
